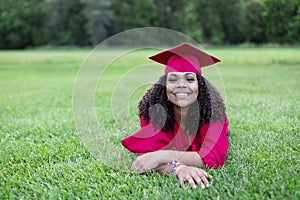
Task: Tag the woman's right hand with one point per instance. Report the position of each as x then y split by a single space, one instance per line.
194 175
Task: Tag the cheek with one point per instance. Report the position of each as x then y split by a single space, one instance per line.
168 93
196 94
195 89
169 89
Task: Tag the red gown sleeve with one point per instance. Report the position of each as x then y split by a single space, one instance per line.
147 139
215 144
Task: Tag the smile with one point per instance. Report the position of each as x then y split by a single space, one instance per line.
181 95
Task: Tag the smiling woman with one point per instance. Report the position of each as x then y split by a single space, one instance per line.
182 88
183 121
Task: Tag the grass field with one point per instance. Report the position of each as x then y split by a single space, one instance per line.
42 156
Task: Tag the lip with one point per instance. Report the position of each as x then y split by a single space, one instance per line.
181 95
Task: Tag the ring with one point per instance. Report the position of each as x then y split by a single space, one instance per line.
136 169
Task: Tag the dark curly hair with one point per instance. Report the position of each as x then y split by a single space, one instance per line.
155 106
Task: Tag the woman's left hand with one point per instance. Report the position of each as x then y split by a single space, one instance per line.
193 175
146 162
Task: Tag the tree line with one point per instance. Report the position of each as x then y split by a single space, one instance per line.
31 23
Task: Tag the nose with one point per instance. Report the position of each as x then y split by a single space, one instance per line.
181 83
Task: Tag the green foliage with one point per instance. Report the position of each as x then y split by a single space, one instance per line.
66 22
232 17
282 21
170 14
42 157
21 23
255 22
192 23
208 21
219 21
30 23
133 13
99 15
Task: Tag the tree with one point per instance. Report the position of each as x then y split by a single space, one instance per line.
66 23
207 20
99 17
232 15
294 30
133 13
21 24
140 13
282 21
255 24
169 14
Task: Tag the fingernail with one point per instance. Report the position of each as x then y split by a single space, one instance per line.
207 184
202 187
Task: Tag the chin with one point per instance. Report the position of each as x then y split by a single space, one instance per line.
183 105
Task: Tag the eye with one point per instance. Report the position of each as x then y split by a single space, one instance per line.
172 80
190 79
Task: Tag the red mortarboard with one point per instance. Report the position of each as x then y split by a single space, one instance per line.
184 58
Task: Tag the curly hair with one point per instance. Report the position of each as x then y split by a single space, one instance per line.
156 106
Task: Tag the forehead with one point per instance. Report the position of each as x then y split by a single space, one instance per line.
181 73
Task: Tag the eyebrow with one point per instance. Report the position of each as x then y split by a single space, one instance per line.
189 73
186 74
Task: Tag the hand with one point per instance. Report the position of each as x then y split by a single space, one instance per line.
146 162
195 176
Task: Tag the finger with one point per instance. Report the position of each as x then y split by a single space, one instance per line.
197 178
132 166
135 168
181 181
204 172
208 175
191 181
204 180
141 170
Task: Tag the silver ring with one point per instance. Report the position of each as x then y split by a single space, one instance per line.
136 169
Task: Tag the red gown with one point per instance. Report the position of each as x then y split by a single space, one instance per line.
211 142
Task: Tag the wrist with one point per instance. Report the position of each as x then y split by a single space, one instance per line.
178 168
174 166
164 156
161 156
167 156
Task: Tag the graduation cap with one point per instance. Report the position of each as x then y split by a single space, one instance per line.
184 58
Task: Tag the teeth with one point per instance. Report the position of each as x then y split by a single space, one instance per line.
181 94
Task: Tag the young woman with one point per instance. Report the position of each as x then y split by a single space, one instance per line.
183 122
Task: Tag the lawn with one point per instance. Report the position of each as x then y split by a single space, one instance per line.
42 155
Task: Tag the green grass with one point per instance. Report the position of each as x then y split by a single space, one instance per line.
42 156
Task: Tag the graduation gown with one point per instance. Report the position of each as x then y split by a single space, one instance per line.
211 143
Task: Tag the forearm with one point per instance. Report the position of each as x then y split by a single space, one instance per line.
164 169
190 158
153 160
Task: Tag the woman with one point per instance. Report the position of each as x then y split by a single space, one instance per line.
183 122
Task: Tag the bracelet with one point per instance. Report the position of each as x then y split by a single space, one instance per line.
174 165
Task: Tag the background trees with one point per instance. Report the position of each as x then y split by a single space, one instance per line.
255 24
66 22
29 23
282 19
100 22
20 24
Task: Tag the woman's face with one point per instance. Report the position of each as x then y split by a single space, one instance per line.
182 88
